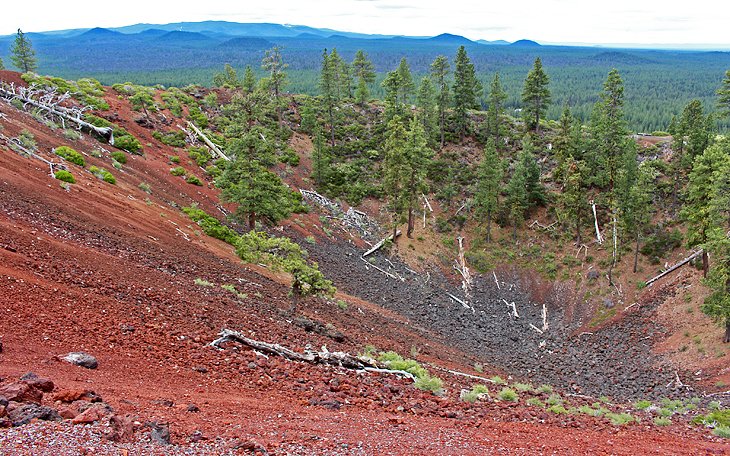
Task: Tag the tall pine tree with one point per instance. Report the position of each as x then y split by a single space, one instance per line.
426 103
439 73
417 154
23 54
497 97
363 70
467 90
723 96
405 82
395 171
535 96
489 184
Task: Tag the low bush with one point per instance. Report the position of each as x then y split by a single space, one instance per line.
476 392
508 394
145 187
70 155
65 176
178 171
103 174
120 157
194 180
662 421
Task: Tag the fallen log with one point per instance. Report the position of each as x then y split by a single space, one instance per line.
675 267
381 243
207 141
599 238
340 359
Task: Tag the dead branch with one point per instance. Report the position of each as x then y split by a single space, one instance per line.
513 307
496 281
544 317
430 209
536 328
207 141
599 238
675 267
550 227
341 359
381 243
382 270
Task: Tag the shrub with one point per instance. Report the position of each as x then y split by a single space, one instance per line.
657 245
508 394
194 180
103 174
70 155
498 380
535 402
642 404
310 240
428 383
662 421
546 389
522 387
119 156
341 304
178 171
170 138
145 187
558 409
619 419
289 157
174 159
203 283
199 155
722 431
71 134
211 226
65 176
476 392
554 399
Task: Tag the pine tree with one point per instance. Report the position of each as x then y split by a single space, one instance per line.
320 158
535 190
249 80
517 200
417 154
535 96
497 97
329 90
395 173
228 78
699 210
426 103
723 96
467 90
274 64
363 70
406 85
635 199
393 107
2 66
23 55
573 197
439 73
489 184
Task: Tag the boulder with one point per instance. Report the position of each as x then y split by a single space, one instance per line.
159 433
122 429
25 413
42 383
77 395
81 359
92 414
593 274
21 392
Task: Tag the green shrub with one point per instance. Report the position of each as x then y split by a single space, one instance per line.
554 399
119 156
586 410
103 174
558 409
178 171
288 156
71 134
203 283
659 133
473 395
427 383
145 187
715 418
642 404
619 419
70 155
170 138
545 389
341 304
498 380
199 155
508 394
193 180
535 402
722 431
174 159
660 243
522 387
65 176
662 421
211 225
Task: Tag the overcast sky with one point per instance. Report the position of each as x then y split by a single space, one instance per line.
546 21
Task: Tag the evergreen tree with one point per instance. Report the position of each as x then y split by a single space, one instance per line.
517 199
2 66
406 85
535 96
467 90
363 70
274 64
497 97
635 199
439 73
395 172
535 190
249 80
426 103
417 154
23 55
573 197
489 184
723 96
228 78
320 158
391 85
329 89
699 210
566 144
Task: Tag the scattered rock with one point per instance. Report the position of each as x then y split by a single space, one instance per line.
159 433
42 383
193 408
77 395
5 423
200 369
593 274
163 402
196 437
3 401
1 346
67 412
81 359
126 328
21 392
92 414
2 411
122 429
607 303
24 413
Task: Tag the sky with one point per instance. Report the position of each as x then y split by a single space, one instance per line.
698 22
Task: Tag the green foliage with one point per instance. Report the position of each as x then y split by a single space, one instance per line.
363 70
535 402
86 90
723 96
498 380
424 381
433 384
642 404
535 96
171 138
619 419
211 225
467 90
203 283
71 155
660 243
554 399
662 421
722 431
558 409
544 389
23 54
489 184
122 138
522 387
119 156
508 394
200 155
476 392
191 179
716 418
64 176
145 187
178 171
228 78
103 174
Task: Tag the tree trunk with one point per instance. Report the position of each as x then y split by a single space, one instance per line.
578 238
727 331
443 122
252 221
636 251
514 231
409 232
489 226
705 263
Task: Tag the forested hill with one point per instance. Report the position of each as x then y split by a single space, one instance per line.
658 83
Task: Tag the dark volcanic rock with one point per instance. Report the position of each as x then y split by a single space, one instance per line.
24 413
21 392
81 359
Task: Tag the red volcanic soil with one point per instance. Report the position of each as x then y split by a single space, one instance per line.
111 271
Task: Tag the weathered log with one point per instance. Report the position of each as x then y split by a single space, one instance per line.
207 141
675 267
381 243
599 238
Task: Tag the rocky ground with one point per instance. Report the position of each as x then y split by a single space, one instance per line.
124 276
